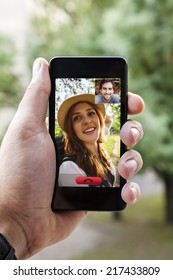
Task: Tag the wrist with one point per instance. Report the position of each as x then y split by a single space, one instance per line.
13 233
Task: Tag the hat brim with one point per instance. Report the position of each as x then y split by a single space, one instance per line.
68 103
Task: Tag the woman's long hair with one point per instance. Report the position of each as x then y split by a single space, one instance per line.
92 164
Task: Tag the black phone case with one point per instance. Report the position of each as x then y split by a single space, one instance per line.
80 198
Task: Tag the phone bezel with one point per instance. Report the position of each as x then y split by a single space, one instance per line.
80 198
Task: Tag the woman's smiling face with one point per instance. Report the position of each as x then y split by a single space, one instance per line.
86 123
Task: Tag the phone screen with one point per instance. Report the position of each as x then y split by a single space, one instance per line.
95 125
86 112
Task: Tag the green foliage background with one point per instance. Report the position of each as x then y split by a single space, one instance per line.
9 80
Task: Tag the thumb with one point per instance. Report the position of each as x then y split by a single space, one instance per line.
35 100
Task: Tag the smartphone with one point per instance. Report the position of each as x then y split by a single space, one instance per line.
87 107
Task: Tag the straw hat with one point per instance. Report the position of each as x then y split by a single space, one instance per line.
68 103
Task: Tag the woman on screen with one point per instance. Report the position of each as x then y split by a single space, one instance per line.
83 124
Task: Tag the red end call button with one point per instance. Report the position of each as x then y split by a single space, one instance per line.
86 180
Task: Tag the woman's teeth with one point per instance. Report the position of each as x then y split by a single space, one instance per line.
89 130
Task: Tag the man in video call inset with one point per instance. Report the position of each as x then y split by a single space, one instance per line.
106 93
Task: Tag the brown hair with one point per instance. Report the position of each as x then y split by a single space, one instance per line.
91 164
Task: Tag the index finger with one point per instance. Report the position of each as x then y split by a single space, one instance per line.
135 104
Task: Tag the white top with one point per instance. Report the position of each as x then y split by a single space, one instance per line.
68 172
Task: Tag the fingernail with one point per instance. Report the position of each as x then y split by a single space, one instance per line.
136 193
132 166
135 189
131 193
136 134
36 67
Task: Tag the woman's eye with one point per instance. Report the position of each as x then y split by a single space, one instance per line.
92 113
76 118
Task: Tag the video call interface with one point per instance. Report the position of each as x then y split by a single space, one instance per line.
105 91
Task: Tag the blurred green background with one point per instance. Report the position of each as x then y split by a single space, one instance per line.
141 31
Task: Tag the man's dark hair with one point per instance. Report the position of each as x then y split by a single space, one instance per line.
106 81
